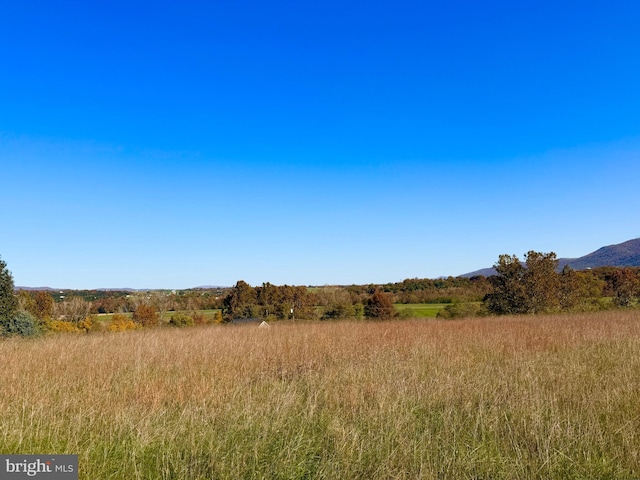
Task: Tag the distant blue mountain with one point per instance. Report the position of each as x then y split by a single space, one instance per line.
626 254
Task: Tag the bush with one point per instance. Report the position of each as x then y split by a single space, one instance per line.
86 325
121 323
217 318
339 311
21 323
181 320
61 326
199 318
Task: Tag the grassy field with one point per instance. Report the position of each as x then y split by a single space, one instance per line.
420 310
510 398
415 310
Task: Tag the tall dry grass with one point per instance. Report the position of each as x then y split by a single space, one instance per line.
521 397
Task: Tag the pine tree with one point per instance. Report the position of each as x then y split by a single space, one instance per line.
8 302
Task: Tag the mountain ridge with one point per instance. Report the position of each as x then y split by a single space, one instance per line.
625 254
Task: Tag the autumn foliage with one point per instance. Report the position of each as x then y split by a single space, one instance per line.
146 315
121 323
379 306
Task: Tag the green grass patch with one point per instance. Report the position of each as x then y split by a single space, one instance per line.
107 317
419 310
210 315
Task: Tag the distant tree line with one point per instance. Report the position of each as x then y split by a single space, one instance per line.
532 286
272 302
123 301
425 290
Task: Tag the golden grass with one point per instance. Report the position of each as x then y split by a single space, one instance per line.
518 397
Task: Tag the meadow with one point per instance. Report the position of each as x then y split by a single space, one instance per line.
496 398
419 310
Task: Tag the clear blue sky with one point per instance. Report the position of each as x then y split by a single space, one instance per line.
176 144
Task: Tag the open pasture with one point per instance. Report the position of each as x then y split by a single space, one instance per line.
419 310
519 397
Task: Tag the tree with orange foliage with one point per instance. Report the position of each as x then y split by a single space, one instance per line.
146 315
379 305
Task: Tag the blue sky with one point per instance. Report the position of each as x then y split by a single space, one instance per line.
171 145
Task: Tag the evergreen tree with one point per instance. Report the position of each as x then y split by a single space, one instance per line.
8 301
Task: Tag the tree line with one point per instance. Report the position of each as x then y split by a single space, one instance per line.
532 286
272 302
536 286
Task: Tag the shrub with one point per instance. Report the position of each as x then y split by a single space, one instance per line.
61 326
86 324
338 311
198 318
181 320
121 323
21 323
